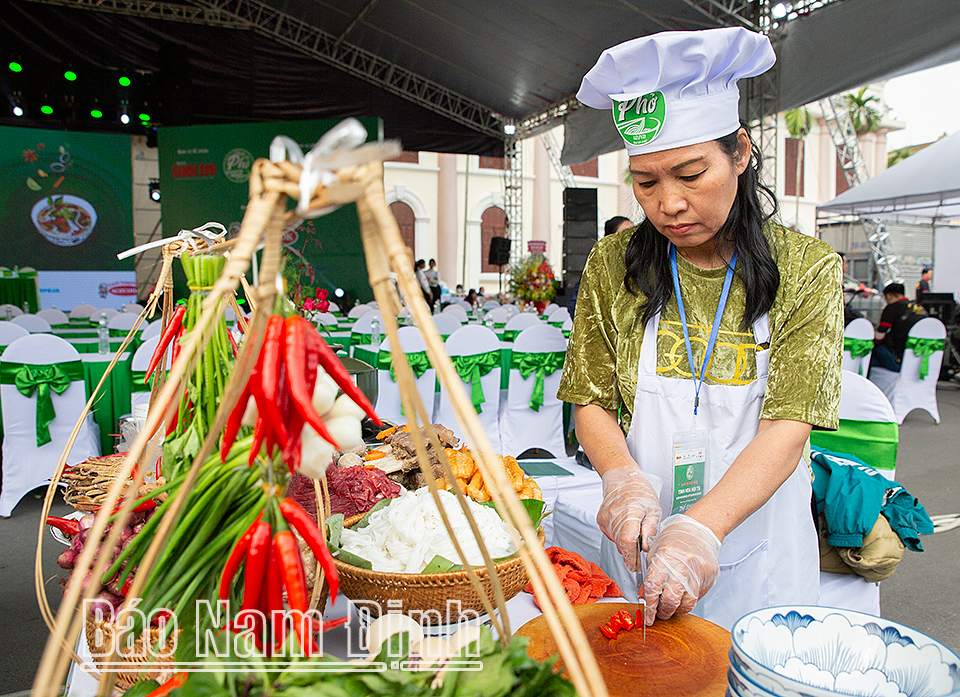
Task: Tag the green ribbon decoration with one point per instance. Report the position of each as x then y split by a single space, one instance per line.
542 364
41 379
874 442
858 348
418 361
472 368
924 348
558 325
358 339
511 334
137 383
499 325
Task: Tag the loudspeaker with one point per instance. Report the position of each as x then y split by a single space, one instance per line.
580 205
499 251
578 239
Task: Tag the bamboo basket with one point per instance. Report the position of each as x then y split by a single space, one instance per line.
137 666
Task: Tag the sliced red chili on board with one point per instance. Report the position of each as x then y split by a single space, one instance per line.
608 632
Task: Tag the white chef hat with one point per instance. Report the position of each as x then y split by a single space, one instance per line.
676 88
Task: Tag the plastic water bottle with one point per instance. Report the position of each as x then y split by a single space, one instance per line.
9 312
375 333
103 337
26 307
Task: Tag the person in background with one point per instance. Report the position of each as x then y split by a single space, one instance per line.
472 298
459 292
615 224
481 295
433 280
923 285
898 316
422 280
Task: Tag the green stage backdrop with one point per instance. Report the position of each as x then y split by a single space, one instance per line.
65 200
204 177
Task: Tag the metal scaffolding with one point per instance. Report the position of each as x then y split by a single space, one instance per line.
553 152
513 195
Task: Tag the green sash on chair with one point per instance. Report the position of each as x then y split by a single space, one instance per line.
359 339
472 368
30 378
511 334
858 348
874 442
137 383
924 348
542 364
418 361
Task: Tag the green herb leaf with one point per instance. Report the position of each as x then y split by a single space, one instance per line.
440 565
365 521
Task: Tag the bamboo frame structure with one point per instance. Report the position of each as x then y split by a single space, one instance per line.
271 184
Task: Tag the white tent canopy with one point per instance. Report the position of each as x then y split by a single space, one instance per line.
925 185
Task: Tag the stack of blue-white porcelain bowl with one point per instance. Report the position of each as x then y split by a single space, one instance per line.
825 652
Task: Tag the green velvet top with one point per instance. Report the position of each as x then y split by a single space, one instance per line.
806 332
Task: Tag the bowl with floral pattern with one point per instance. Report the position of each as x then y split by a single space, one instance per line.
823 652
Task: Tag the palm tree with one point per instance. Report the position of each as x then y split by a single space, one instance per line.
900 155
798 122
866 117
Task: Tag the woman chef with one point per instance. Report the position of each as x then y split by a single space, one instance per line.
706 343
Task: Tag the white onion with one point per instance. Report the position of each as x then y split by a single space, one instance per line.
346 431
386 626
324 392
250 413
315 454
344 406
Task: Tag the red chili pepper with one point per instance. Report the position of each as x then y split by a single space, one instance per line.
273 598
173 328
330 363
608 631
614 622
175 417
64 525
144 505
626 620
234 421
295 583
235 558
296 358
259 431
639 621
271 375
255 565
327 625
233 343
306 527
176 680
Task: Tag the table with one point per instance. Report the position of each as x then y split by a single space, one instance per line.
114 398
17 291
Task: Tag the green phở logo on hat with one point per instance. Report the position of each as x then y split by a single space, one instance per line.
640 119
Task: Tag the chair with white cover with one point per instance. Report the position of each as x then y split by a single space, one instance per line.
857 345
107 312
82 311
54 317
868 431
10 332
327 319
499 316
33 324
132 307
388 393
490 305
6 309
512 310
467 307
361 335
358 311
532 415
152 329
517 324
550 309
915 386
140 390
446 323
475 352
333 307
119 326
558 317
567 327
456 310
41 376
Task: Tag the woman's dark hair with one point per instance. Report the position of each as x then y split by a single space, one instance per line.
648 258
615 222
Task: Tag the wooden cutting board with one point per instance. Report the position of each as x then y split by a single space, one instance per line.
684 657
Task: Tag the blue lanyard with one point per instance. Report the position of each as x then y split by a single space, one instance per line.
728 279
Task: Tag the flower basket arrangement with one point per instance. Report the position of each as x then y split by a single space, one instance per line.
532 280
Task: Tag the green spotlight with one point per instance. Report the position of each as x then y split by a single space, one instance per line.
46 109
16 67
96 113
144 117
124 81
70 75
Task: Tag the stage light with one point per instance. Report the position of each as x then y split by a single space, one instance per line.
124 81
155 190
17 111
96 113
778 11
144 117
509 129
338 292
124 119
70 75
46 109
15 67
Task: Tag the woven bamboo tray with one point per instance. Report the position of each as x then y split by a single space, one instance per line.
427 595
138 666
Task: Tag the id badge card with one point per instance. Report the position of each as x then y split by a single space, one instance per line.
689 469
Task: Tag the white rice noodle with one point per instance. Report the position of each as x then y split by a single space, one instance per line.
406 535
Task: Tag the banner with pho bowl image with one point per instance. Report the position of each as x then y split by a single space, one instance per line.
66 200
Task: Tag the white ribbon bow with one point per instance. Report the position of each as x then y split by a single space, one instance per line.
188 237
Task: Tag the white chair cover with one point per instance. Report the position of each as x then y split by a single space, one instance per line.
862 329
327 319
107 312
522 427
467 307
152 329
559 316
456 310
33 324
365 323
447 323
334 307
10 332
82 311
139 363
373 304
124 321
472 340
132 307
52 315
522 321
567 326
490 305
911 391
229 314
388 394
512 310
498 315
25 465
359 311
14 310
550 309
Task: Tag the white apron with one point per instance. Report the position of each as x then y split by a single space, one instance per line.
772 557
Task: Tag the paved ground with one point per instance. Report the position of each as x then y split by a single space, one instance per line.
923 593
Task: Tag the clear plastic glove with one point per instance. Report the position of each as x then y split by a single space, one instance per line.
630 510
681 567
